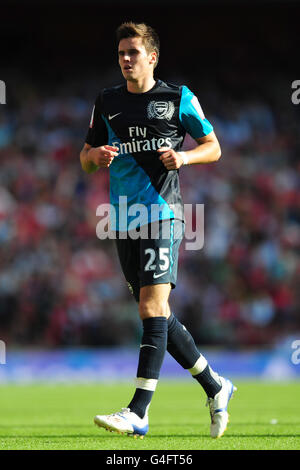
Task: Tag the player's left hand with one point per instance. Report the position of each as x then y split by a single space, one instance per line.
171 159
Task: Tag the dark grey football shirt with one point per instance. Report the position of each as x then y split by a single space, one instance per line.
142 190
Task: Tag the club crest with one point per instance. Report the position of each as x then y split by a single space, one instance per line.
160 110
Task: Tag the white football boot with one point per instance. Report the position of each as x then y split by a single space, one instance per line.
125 421
218 408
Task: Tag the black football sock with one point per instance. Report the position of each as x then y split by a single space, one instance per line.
181 344
209 381
141 399
182 347
152 351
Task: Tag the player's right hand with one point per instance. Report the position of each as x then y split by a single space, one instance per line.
103 156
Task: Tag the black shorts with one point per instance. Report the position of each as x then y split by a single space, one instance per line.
152 258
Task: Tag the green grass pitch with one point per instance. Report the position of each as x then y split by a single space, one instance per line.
262 416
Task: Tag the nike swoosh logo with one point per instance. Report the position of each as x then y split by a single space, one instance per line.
155 276
149 345
113 116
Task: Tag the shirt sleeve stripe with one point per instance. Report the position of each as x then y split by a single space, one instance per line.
191 115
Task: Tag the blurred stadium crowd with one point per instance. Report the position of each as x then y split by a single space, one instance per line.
60 285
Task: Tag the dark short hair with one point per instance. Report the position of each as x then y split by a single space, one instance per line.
147 33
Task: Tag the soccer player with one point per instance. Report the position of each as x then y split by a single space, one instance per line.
136 131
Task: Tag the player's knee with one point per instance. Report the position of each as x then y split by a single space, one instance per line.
148 309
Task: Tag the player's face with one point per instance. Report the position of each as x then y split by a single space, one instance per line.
135 62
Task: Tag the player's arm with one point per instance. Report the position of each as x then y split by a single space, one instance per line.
194 122
207 151
95 154
93 158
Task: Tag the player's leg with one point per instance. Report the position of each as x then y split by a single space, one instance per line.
153 310
153 301
219 390
182 347
158 267
155 271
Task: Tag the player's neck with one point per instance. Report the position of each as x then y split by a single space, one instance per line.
141 86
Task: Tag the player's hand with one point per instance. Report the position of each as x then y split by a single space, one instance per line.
171 159
103 156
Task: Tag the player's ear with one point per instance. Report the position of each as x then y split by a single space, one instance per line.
153 57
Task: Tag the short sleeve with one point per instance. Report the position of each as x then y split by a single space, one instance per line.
97 133
191 115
